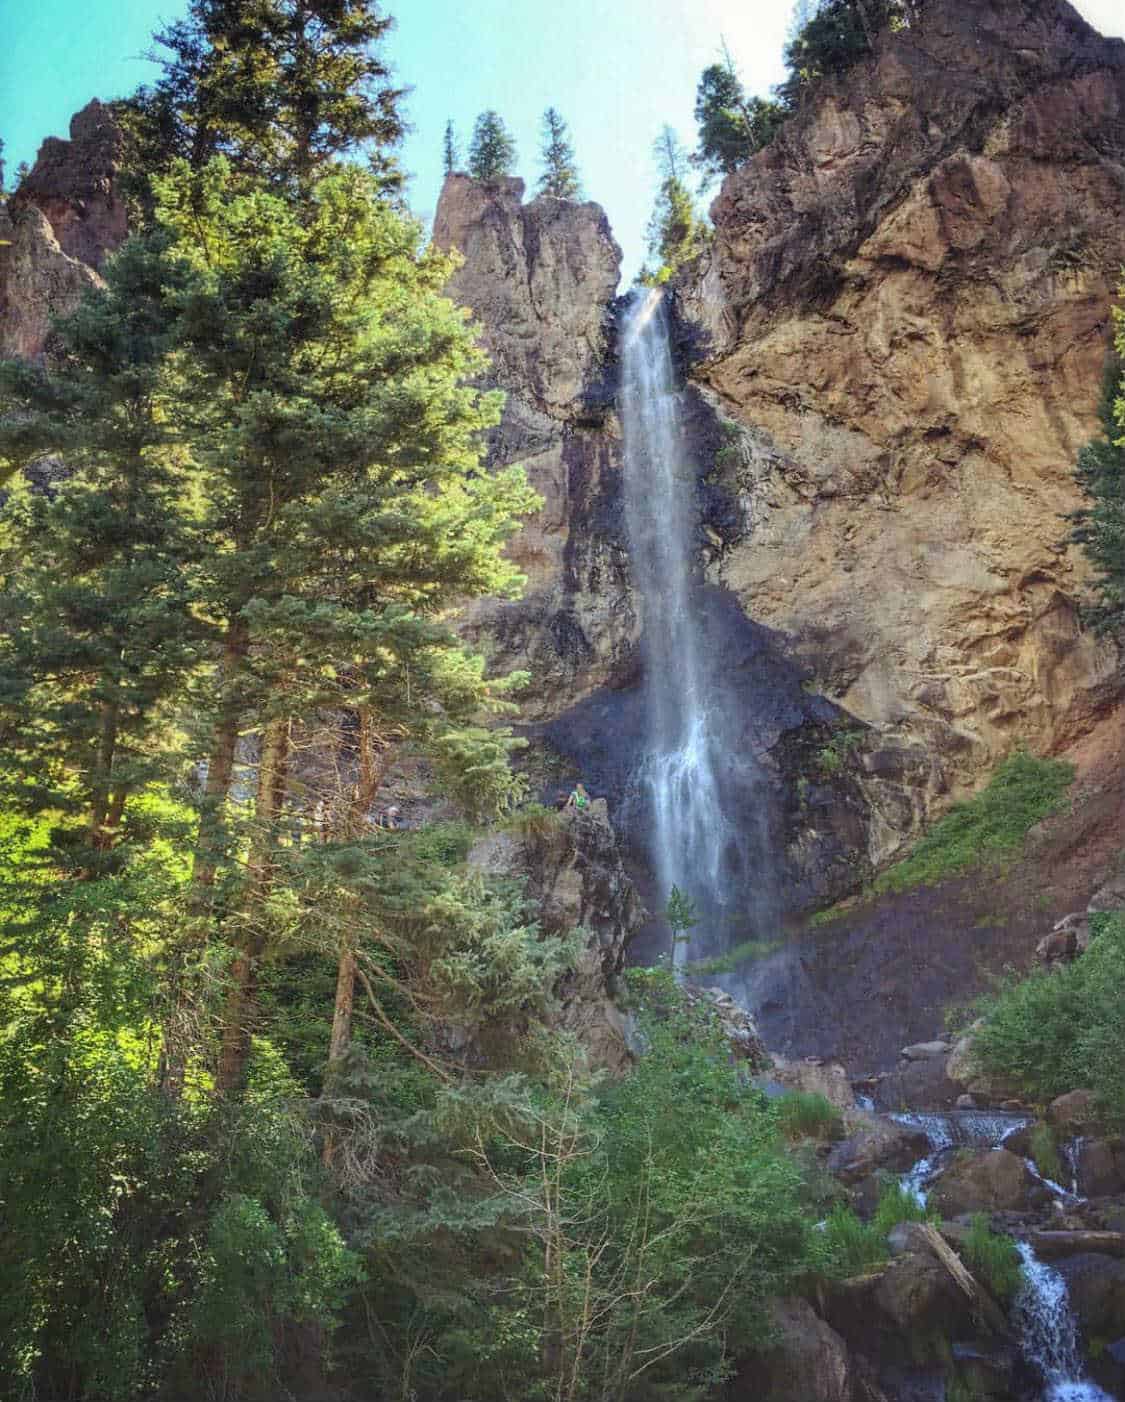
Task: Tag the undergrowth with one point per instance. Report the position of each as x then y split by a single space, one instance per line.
852 1246
992 825
806 1115
993 1258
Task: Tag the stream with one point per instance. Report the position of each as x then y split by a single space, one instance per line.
1044 1322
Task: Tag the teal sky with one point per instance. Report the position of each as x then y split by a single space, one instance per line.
616 69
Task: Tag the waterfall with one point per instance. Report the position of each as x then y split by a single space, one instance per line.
696 773
1049 1334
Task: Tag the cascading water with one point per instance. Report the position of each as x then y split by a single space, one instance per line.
696 773
1049 1334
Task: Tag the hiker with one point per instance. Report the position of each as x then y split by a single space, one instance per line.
579 798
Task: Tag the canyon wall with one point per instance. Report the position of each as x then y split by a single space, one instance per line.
906 311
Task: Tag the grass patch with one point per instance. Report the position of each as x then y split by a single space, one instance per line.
993 1258
533 822
1045 1153
897 1204
749 951
1050 1032
806 1115
1022 792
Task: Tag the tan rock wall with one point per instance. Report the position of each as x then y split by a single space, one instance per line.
908 302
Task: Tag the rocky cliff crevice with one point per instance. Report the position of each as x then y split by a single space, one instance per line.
905 311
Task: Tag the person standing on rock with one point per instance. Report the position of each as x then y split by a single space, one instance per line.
579 798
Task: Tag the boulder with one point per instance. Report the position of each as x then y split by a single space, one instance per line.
1050 1246
879 1144
1096 1285
808 1361
907 1237
986 1180
1101 1167
921 1051
1072 1112
918 1296
1110 897
921 1084
815 1077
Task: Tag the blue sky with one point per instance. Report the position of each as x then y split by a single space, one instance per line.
616 69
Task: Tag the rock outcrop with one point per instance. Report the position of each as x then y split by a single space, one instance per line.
539 278
575 880
58 229
906 310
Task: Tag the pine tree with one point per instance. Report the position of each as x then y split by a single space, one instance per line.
278 87
560 174
338 454
450 153
675 233
492 151
1100 526
731 126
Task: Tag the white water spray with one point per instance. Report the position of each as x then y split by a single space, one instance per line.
1049 1334
693 766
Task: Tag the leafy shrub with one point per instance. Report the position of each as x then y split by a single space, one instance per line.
534 821
1023 791
897 1204
1045 1152
851 1246
805 1115
1051 1032
993 1258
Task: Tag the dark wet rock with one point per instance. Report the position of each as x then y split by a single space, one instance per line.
1096 1285
919 1298
1101 1166
985 1180
1051 1245
1073 1112
880 1144
922 1084
808 1362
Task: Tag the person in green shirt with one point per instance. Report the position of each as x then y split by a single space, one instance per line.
579 798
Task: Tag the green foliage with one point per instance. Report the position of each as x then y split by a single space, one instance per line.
992 825
492 150
850 1247
1100 526
681 916
1051 1032
897 1204
831 757
731 125
560 172
675 232
993 1257
746 952
279 88
450 151
806 1115
1045 1153
836 35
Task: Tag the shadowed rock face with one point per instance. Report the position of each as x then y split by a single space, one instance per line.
906 308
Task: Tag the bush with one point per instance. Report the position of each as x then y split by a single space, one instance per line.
805 1115
850 1246
1051 1032
1045 1153
1023 791
897 1204
993 1258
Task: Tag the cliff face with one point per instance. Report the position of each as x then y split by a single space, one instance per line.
906 309
539 279
57 230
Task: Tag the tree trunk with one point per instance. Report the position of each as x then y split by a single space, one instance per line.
220 770
869 28
367 786
240 1011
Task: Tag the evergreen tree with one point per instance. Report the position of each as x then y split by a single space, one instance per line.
731 126
450 153
492 151
278 87
836 35
675 233
560 174
1100 526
